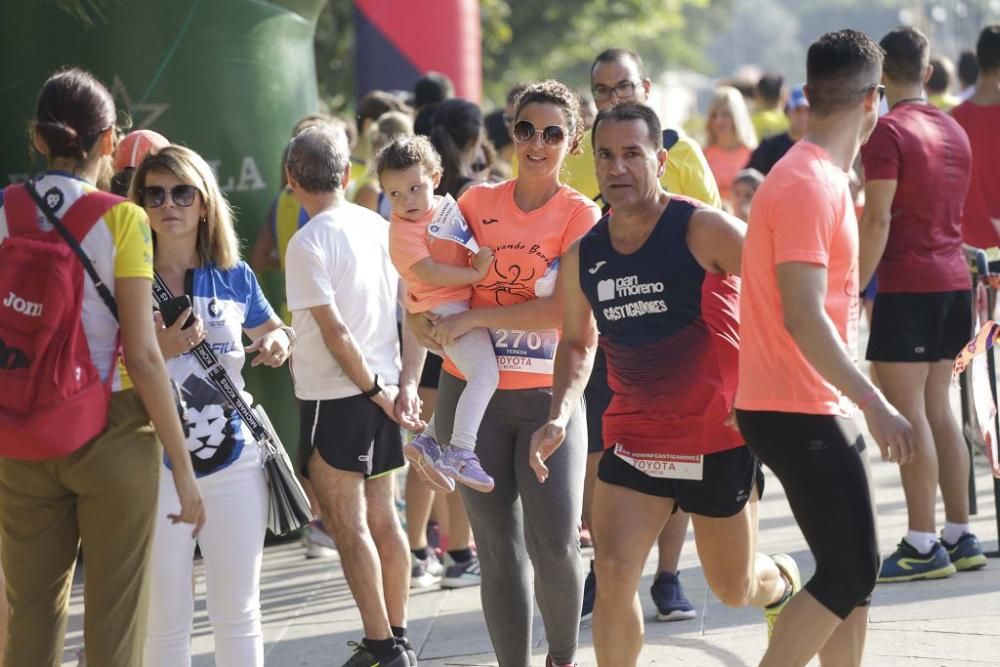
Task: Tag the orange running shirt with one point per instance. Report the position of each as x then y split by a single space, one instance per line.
527 247
802 213
409 243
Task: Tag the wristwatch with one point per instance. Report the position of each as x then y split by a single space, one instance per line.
374 391
290 333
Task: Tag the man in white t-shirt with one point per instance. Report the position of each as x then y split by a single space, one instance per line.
342 291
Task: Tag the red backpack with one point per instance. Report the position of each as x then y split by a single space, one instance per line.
52 399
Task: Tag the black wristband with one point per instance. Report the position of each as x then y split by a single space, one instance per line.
374 390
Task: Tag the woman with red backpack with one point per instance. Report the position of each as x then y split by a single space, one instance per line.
82 386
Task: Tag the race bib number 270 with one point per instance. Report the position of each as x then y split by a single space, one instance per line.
525 351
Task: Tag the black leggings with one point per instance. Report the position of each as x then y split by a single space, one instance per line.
820 462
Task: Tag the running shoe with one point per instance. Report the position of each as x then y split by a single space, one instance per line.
426 572
908 564
423 453
589 594
463 466
318 542
966 554
549 662
411 654
668 595
363 658
460 575
790 571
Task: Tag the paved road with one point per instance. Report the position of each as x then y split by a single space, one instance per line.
309 614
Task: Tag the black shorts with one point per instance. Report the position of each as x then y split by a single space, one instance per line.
723 490
597 396
351 434
431 374
820 461
926 326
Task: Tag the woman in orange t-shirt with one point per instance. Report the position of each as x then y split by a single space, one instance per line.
529 223
731 139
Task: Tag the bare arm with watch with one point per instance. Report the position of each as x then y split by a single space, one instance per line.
347 354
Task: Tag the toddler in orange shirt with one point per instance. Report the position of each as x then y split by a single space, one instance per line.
439 274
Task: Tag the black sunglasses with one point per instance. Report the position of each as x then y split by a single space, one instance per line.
524 132
876 86
154 196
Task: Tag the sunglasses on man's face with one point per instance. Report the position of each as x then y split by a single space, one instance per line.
154 196
524 132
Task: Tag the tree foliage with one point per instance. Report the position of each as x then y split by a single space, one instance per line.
527 41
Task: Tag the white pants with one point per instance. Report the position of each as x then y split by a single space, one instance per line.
232 544
475 358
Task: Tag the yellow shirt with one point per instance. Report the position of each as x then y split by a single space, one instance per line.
945 101
687 172
768 122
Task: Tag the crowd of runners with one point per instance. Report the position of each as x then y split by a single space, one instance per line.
616 332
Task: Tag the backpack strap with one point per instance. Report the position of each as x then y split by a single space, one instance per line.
77 215
20 210
84 213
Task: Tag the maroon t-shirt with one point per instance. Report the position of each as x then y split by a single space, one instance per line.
982 124
927 153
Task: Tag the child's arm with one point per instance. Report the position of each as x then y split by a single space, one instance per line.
446 275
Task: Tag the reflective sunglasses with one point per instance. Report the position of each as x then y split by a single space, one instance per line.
524 132
154 196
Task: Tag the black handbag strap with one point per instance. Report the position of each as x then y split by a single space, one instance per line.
216 372
74 243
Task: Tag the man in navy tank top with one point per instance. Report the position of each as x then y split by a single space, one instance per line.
660 275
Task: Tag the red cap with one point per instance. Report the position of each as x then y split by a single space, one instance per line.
135 146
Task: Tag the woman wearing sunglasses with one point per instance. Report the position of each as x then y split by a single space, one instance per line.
197 255
529 222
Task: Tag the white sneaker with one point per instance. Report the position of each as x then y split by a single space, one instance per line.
425 573
460 575
318 542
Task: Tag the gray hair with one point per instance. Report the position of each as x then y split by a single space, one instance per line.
317 158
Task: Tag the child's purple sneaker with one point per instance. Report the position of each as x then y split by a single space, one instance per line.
423 453
463 466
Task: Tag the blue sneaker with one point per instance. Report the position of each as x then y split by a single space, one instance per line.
423 452
668 594
908 564
966 554
589 594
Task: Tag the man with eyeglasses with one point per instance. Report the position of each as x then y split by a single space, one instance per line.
917 168
618 75
799 386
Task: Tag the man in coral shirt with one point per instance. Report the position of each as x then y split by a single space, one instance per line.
798 382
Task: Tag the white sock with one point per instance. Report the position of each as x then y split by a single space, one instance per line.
953 531
922 542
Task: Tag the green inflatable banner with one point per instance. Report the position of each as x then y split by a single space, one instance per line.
227 78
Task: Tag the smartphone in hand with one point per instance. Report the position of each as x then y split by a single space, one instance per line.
172 309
